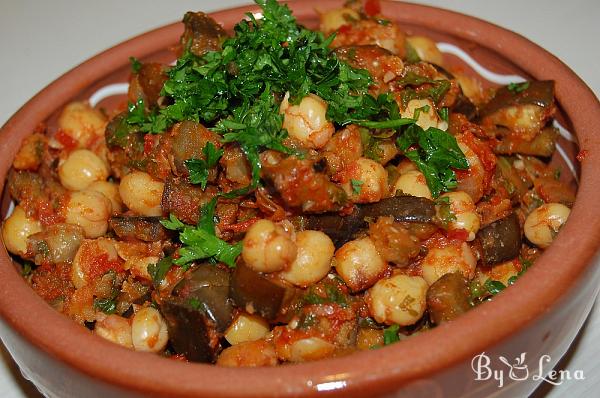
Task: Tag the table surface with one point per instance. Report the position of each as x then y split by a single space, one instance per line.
41 40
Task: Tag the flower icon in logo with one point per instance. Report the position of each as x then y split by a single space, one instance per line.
518 370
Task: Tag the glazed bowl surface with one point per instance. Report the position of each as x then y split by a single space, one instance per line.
540 314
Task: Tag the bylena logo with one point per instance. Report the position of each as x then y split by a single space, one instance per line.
518 370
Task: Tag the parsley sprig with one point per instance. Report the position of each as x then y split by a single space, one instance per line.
200 242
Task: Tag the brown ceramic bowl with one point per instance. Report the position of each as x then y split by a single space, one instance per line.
541 314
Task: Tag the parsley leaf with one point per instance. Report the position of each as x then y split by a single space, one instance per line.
516 88
390 335
136 65
107 305
433 151
159 270
199 168
200 242
356 186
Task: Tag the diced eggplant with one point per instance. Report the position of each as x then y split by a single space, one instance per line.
191 332
524 109
148 81
208 285
199 312
448 297
257 293
501 240
188 140
57 243
147 229
542 145
403 208
184 199
341 229
202 33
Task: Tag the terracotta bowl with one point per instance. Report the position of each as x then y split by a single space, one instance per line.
540 315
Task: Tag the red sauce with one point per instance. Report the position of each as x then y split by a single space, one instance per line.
66 140
372 7
582 155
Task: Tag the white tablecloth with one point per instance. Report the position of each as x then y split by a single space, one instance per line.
39 40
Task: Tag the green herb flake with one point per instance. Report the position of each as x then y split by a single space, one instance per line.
159 270
356 186
199 168
200 242
136 65
106 305
494 287
434 151
390 335
516 88
444 114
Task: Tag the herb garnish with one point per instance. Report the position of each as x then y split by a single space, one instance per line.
390 335
200 242
516 88
433 151
356 186
199 168
237 90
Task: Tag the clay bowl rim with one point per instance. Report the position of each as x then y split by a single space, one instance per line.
374 371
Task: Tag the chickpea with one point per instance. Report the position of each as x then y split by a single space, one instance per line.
425 112
371 178
246 327
499 272
267 247
141 193
406 165
111 191
90 210
115 328
82 123
413 183
149 330
16 229
89 254
359 264
313 259
465 214
307 121
447 259
308 349
400 299
332 20
542 224
81 168
426 49
249 354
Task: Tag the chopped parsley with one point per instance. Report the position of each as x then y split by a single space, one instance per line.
516 88
199 168
136 65
159 270
237 93
444 114
390 335
356 186
107 305
434 152
200 242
